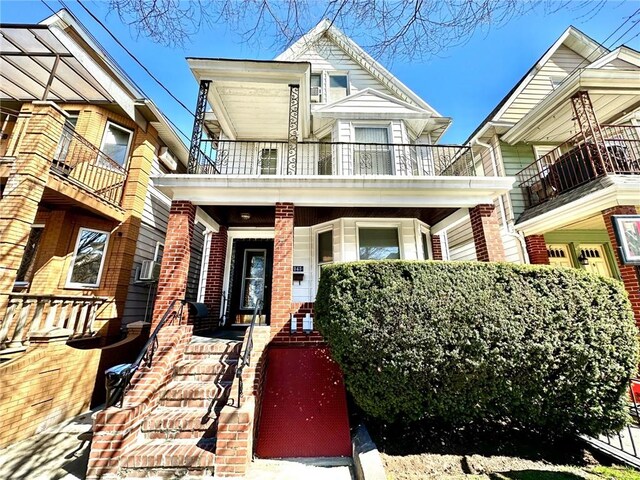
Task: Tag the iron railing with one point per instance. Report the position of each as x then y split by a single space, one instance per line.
78 161
118 378
231 157
245 357
577 162
625 444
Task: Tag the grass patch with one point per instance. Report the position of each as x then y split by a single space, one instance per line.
616 473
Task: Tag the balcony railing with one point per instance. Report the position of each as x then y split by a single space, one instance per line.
81 163
231 157
577 162
30 313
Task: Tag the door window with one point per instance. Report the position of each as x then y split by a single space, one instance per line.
268 161
372 155
253 274
595 255
559 255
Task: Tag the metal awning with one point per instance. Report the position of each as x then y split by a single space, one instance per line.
36 65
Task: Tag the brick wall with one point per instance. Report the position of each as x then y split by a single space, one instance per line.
537 250
174 271
282 283
215 275
486 233
287 337
436 247
630 274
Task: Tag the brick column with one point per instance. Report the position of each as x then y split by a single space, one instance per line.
537 249
281 286
215 274
436 247
24 189
486 233
174 270
629 273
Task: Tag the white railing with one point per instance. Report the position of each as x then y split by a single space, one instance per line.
30 313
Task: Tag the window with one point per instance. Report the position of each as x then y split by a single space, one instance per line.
338 87
88 258
116 142
425 246
325 157
325 247
378 243
316 88
157 257
268 161
25 272
372 156
66 138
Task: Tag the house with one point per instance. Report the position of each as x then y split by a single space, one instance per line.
80 225
318 156
569 131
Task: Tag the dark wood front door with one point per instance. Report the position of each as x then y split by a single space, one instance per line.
251 279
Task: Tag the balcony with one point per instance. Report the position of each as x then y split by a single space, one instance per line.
259 158
579 161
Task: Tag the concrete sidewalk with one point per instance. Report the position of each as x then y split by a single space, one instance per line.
60 452
301 469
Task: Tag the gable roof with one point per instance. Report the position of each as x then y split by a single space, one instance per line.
370 92
326 29
573 38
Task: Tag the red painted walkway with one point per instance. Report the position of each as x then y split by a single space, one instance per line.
304 407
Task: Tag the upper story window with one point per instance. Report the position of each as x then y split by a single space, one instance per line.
316 88
338 86
116 142
88 259
372 155
268 161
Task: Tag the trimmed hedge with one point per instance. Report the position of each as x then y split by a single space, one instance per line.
458 343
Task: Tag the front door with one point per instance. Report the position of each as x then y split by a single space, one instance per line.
597 258
251 280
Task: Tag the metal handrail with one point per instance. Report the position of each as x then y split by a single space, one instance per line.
119 377
223 310
245 358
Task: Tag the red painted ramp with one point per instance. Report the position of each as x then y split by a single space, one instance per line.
304 406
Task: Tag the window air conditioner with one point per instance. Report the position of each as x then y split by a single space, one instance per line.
149 270
167 158
316 93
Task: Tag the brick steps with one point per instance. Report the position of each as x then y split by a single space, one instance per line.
179 456
205 370
199 350
170 423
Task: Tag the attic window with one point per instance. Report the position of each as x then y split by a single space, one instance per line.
316 88
338 87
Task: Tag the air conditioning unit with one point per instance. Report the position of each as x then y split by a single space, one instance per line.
167 158
316 93
149 270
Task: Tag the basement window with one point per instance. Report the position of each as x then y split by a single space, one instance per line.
378 244
88 259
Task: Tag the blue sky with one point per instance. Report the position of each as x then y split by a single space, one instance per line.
464 83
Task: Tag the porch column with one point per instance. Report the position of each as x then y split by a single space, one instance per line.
486 233
537 249
24 189
215 274
630 273
174 270
292 150
436 247
281 287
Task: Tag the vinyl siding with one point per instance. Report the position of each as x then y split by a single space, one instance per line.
514 159
303 256
461 246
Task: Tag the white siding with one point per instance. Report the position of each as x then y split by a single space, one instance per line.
369 102
512 248
303 256
461 246
560 65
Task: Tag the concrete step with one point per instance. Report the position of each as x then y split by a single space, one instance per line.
172 423
169 459
196 394
206 370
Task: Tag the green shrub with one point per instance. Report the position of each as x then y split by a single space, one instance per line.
466 342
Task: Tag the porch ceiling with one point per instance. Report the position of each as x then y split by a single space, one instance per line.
250 99
264 216
613 93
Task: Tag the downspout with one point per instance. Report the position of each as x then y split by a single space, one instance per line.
510 230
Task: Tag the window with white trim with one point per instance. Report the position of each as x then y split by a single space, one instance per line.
157 256
372 153
338 86
316 87
268 161
116 142
88 258
378 243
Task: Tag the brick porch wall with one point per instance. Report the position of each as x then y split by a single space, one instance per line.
436 247
282 280
630 273
537 250
215 275
486 233
174 270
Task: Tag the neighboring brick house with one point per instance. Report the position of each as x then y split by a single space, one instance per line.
78 217
570 132
318 156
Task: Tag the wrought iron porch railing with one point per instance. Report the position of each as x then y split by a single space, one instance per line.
231 157
245 357
28 313
79 162
577 162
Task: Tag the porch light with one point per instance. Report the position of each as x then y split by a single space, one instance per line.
584 261
245 215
